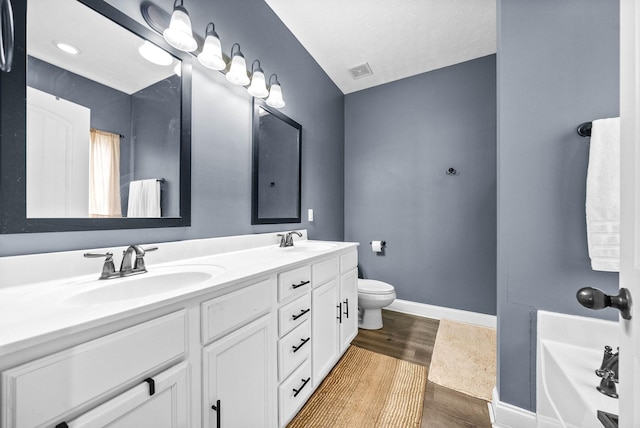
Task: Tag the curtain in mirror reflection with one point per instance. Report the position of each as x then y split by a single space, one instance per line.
104 175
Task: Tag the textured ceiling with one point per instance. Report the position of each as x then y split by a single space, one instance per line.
398 38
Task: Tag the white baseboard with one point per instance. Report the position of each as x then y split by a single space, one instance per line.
439 312
506 415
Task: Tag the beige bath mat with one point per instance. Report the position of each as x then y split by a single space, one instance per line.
366 389
464 358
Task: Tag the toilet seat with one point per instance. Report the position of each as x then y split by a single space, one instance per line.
372 286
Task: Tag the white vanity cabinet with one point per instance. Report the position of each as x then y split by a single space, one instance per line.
246 351
46 391
238 366
334 311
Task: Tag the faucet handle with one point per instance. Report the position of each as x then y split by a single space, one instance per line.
138 265
108 268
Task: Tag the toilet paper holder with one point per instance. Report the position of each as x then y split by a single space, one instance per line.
384 243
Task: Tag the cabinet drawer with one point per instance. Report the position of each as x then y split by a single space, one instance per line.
348 261
226 313
42 391
293 314
293 349
293 392
324 271
294 282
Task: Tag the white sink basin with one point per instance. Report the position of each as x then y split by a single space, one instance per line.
306 246
141 286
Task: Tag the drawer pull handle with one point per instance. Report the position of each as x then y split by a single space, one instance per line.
304 383
294 286
218 409
152 385
346 307
339 317
302 312
296 348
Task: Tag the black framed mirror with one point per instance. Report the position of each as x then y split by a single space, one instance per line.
277 166
142 103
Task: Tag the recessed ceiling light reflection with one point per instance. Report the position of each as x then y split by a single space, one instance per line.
154 54
66 47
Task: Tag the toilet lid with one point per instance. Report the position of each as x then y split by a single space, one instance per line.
372 286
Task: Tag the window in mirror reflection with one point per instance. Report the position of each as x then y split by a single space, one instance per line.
103 124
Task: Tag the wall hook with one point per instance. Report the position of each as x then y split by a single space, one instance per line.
452 171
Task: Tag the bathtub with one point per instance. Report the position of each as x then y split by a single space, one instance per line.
569 349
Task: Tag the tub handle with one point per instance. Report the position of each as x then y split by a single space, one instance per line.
593 298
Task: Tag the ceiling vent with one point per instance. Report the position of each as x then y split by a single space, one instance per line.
360 71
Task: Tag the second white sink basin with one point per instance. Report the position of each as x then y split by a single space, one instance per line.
154 282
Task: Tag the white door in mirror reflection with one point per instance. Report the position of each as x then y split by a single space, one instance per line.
58 157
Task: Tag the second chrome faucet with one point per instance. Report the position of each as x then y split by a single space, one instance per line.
286 239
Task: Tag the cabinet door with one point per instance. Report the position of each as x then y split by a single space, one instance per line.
324 316
166 408
239 378
349 302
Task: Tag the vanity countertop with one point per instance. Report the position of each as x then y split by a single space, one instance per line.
41 311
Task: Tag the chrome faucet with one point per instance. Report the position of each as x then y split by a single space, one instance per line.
127 268
286 240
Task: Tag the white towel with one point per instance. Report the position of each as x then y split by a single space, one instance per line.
603 195
144 198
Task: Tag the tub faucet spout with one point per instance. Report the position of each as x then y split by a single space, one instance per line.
609 363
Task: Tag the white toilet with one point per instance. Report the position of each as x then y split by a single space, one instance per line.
372 297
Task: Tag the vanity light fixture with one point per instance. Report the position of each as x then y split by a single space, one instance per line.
154 54
275 93
238 69
179 34
211 55
258 87
66 47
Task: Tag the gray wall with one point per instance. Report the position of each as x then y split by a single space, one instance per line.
400 139
155 112
221 137
557 67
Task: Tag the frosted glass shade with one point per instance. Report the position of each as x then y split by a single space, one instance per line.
211 55
238 71
258 87
179 34
275 96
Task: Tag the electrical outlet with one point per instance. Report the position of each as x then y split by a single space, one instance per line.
310 214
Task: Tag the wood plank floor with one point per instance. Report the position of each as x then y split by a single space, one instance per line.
411 338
